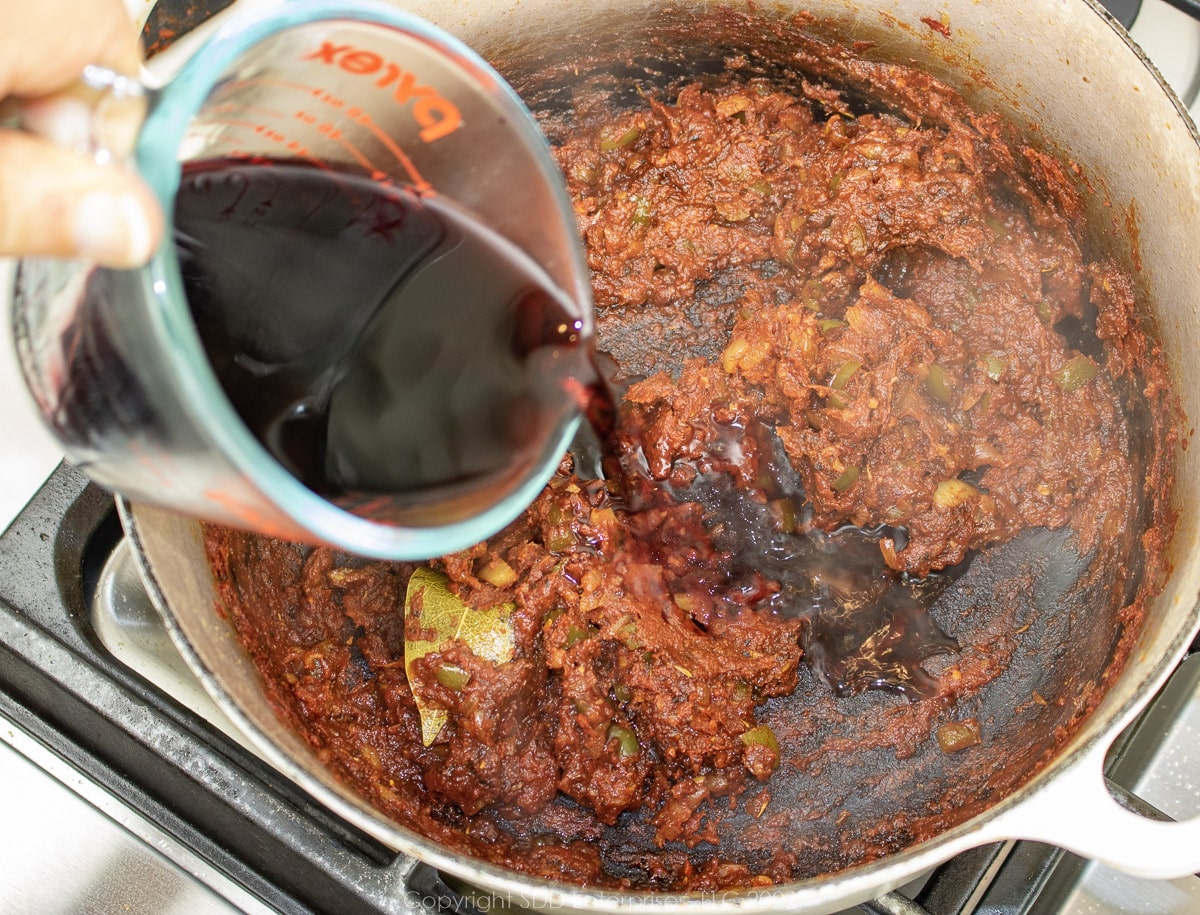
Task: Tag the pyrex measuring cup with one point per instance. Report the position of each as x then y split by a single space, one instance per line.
113 358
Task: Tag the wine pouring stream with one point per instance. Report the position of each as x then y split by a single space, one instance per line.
370 324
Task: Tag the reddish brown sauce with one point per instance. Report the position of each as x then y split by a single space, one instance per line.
881 441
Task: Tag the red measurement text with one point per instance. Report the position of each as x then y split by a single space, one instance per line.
437 116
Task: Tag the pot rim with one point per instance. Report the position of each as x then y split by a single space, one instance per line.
862 881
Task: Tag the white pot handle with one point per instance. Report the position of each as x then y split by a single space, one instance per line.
1075 811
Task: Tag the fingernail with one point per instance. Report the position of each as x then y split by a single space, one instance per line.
113 229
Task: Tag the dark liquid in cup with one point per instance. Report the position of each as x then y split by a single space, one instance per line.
390 351
394 354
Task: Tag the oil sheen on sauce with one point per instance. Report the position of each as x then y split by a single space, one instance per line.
390 351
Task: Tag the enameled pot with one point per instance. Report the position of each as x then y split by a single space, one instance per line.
1068 77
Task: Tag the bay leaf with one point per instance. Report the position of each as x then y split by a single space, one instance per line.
434 612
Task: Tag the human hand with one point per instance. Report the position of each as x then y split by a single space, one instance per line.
56 200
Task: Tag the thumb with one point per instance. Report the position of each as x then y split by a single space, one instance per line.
58 203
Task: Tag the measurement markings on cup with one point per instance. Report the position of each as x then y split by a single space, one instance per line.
330 129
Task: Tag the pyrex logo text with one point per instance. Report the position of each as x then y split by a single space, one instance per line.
437 116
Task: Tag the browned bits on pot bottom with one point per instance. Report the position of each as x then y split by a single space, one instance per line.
883 296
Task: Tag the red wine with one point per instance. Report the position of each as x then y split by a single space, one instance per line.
390 351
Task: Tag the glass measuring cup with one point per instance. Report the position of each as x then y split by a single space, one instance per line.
114 358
